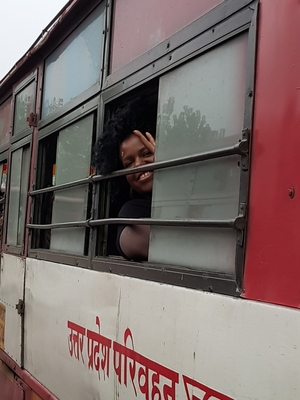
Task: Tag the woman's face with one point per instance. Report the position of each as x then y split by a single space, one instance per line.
133 153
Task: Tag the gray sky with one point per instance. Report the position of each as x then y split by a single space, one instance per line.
21 22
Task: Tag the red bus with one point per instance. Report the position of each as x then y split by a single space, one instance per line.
213 312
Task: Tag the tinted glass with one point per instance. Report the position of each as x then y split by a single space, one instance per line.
75 65
73 161
5 121
24 105
134 35
18 195
201 107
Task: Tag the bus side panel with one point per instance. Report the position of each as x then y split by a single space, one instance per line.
272 270
11 291
109 337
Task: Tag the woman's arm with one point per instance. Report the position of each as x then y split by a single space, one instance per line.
134 242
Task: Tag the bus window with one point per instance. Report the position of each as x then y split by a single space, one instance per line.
19 178
130 36
65 157
43 202
24 106
5 121
75 65
201 108
129 113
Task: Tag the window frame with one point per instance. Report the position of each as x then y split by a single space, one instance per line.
90 107
21 143
92 90
220 24
87 102
2 101
32 77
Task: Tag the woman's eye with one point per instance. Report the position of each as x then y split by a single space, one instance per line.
128 164
147 154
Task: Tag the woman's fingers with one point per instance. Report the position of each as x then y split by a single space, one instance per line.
150 138
148 143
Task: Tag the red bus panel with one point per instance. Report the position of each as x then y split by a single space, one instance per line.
273 249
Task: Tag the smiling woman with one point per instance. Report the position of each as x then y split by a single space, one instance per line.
126 143
134 152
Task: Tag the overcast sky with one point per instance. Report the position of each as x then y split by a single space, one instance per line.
21 22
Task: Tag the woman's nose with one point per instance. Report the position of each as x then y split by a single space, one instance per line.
139 161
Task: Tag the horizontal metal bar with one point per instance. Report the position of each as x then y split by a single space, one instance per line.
240 148
227 223
76 224
62 186
233 223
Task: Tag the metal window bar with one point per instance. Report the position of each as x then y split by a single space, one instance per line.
234 223
238 223
241 148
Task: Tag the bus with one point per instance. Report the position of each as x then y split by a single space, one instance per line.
213 313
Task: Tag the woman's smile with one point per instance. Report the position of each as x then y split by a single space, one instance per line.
133 154
144 176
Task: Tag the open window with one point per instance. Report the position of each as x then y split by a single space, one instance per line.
200 173
116 192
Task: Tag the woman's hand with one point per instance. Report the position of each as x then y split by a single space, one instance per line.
148 142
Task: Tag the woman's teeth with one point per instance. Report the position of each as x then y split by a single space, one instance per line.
144 176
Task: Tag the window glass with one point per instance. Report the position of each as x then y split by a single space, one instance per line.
20 162
24 105
132 35
75 65
201 107
5 116
73 162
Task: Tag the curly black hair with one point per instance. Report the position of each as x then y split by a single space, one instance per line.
138 114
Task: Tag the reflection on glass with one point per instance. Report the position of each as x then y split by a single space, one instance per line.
205 190
201 108
73 161
24 105
5 115
18 196
75 65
